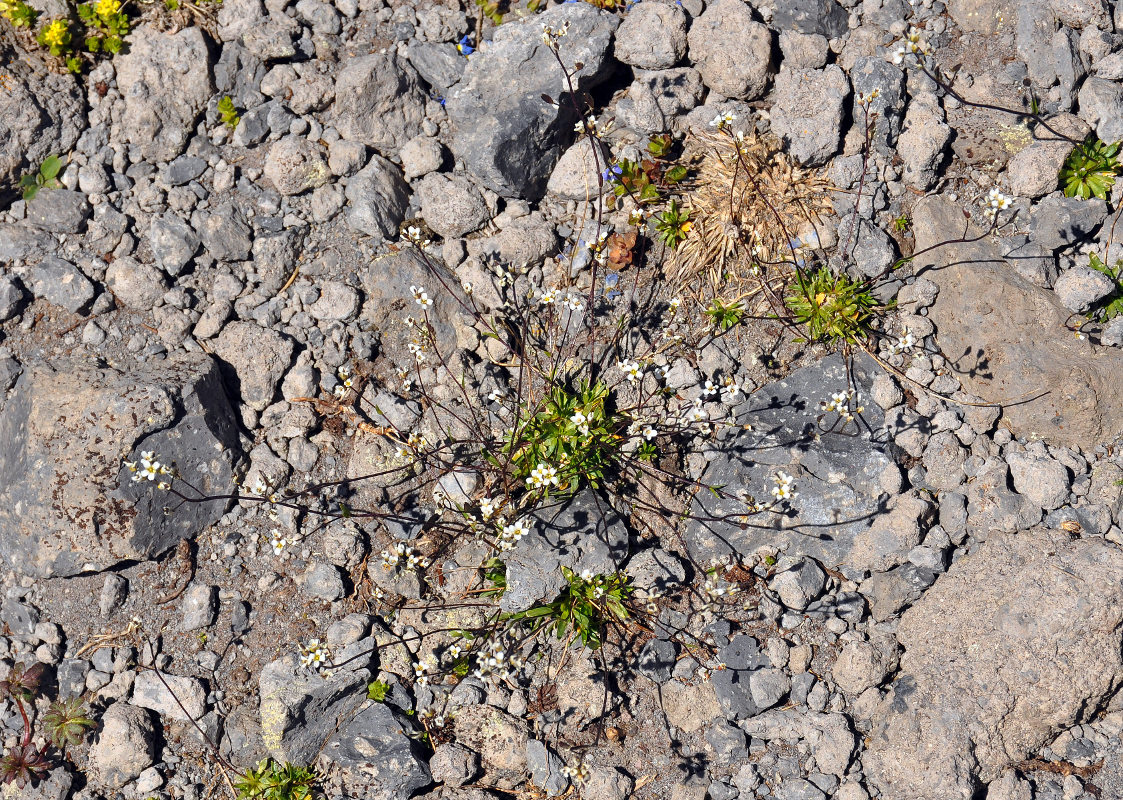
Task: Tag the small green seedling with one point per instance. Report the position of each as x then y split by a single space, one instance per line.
673 225
1090 169
833 308
273 781
725 315
1111 306
587 605
45 178
377 691
227 113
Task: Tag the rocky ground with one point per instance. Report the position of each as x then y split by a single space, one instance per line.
937 613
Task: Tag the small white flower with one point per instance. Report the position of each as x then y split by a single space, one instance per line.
631 369
573 302
649 432
785 487
722 119
495 395
542 475
709 390
420 296
547 296
487 508
278 542
581 422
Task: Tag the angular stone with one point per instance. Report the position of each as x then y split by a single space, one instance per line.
295 165
511 139
42 113
1019 641
67 504
61 283
59 211
378 101
652 36
152 693
378 754
808 111
165 82
584 533
125 747
173 242
256 359
300 710
837 476
731 50
377 196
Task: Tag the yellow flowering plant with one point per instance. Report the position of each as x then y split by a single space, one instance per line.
107 25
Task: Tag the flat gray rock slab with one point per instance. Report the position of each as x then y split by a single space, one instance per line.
1019 641
1007 342
837 475
67 502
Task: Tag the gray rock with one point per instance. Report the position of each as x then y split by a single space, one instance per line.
1059 221
451 204
1112 334
829 514
657 660
798 582
608 784
294 165
1032 172
173 242
378 101
300 710
888 540
114 590
438 63
943 461
859 666
1036 264
1065 393
377 197
67 504
992 504
59 282
454 765
255 359
871 250
658 97
275 256
125 746
165 82
828 735
656 569
727 741
225 233
889 592
42 113
824 17
808 112
345 158
652 36
376 753
871 73
1082 287
71 677
584 533
545 767
12 297
337 301
135 285
498 737
731 50
199 607
1044 481
161 696
576 174
768 687
420 156
922 144
803 50
59 211
1101 105
798 789
510 140
20 618
323 581
963 706
183 170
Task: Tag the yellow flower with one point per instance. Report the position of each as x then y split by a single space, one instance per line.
107 8
57 34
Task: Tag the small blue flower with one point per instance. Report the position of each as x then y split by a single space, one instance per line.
612 279
612 173
465 46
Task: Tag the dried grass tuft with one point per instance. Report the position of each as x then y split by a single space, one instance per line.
735 203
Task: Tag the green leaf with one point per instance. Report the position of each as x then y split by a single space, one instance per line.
51 167
377 691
